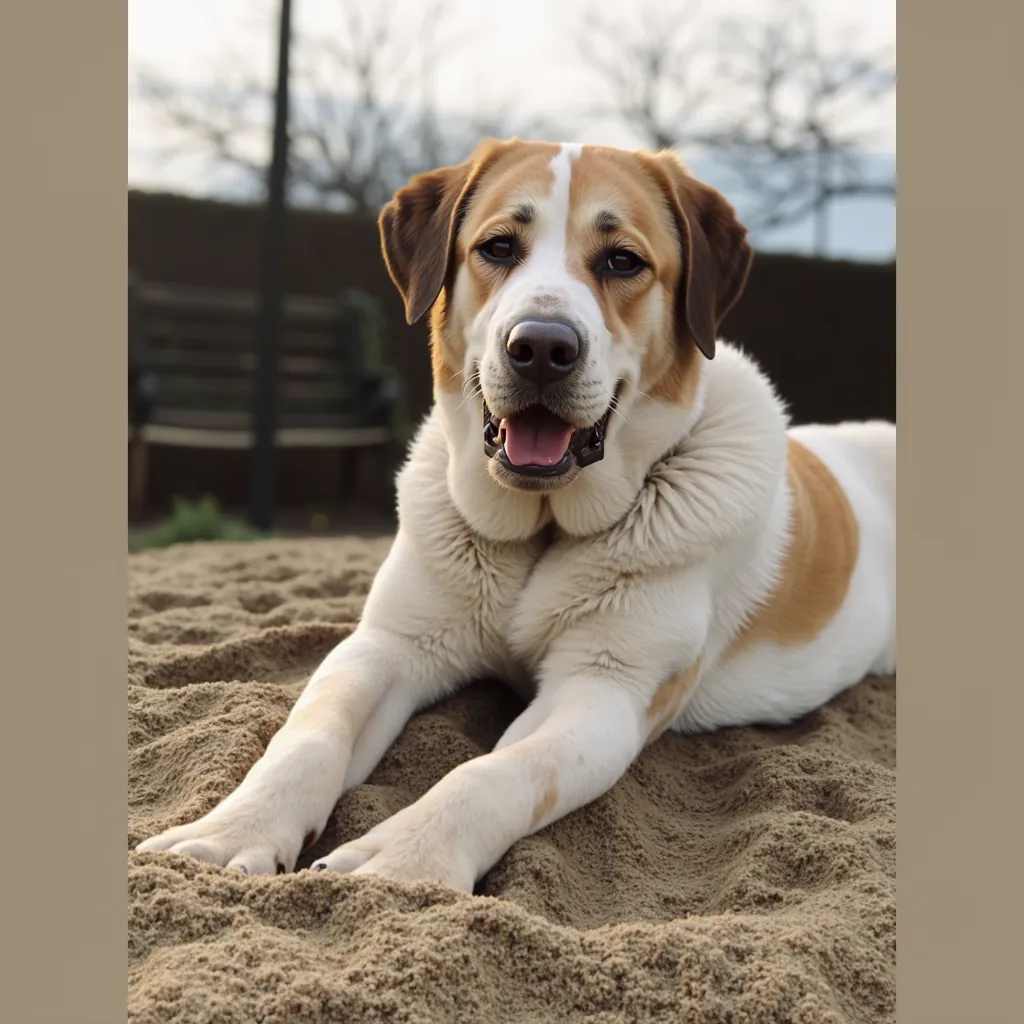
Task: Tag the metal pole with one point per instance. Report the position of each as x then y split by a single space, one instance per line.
263 468
821 207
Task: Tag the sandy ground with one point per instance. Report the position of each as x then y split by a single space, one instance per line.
747 876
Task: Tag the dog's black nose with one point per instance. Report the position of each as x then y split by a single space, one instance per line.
543 351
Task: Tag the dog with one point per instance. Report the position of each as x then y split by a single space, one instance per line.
606 507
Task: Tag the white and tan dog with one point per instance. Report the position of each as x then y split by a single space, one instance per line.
595 510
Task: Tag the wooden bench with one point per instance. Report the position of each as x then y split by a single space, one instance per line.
192 375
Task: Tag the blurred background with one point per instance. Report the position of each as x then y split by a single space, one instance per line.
273 381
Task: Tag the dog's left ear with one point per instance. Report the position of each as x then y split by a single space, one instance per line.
419 225
716 254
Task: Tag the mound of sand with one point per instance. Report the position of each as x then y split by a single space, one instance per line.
747 876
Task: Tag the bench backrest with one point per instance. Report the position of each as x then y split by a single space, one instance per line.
197 348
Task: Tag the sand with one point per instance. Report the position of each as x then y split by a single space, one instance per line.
746 876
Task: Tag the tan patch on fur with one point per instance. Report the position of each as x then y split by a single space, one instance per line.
445 355
643 308
819 564
679 382
337 703
520 173
546 802
446 378
607 181
668 700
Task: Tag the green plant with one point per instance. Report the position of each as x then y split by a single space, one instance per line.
192 521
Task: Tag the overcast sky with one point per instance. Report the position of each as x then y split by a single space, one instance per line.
517 53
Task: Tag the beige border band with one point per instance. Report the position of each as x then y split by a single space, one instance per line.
961 459
63 74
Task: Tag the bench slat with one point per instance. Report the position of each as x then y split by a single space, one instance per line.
214 302
167 362
192 388
287 437
164 333
241 419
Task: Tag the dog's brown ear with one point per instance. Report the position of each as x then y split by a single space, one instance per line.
716 254
419 225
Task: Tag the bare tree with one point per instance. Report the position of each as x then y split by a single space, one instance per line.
656 70
773 107
363 114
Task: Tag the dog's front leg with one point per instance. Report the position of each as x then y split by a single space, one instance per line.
353 707
574 742
608 685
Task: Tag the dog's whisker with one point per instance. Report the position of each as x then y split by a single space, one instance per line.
616 407
477 393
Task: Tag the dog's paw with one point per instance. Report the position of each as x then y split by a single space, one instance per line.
411 846
249 841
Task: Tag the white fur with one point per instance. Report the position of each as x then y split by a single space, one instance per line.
654 560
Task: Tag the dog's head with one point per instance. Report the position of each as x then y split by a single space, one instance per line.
569 286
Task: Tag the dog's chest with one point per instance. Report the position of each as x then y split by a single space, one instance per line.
483 584
523 597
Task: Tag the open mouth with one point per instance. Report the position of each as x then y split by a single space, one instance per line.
535 442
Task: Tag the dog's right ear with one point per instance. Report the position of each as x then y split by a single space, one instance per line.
419 225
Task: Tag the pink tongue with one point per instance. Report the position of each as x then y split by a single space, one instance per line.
535 437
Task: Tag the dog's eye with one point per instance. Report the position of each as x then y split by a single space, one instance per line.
498 250
623 263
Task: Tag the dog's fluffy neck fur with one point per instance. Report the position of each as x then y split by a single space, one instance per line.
660 495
